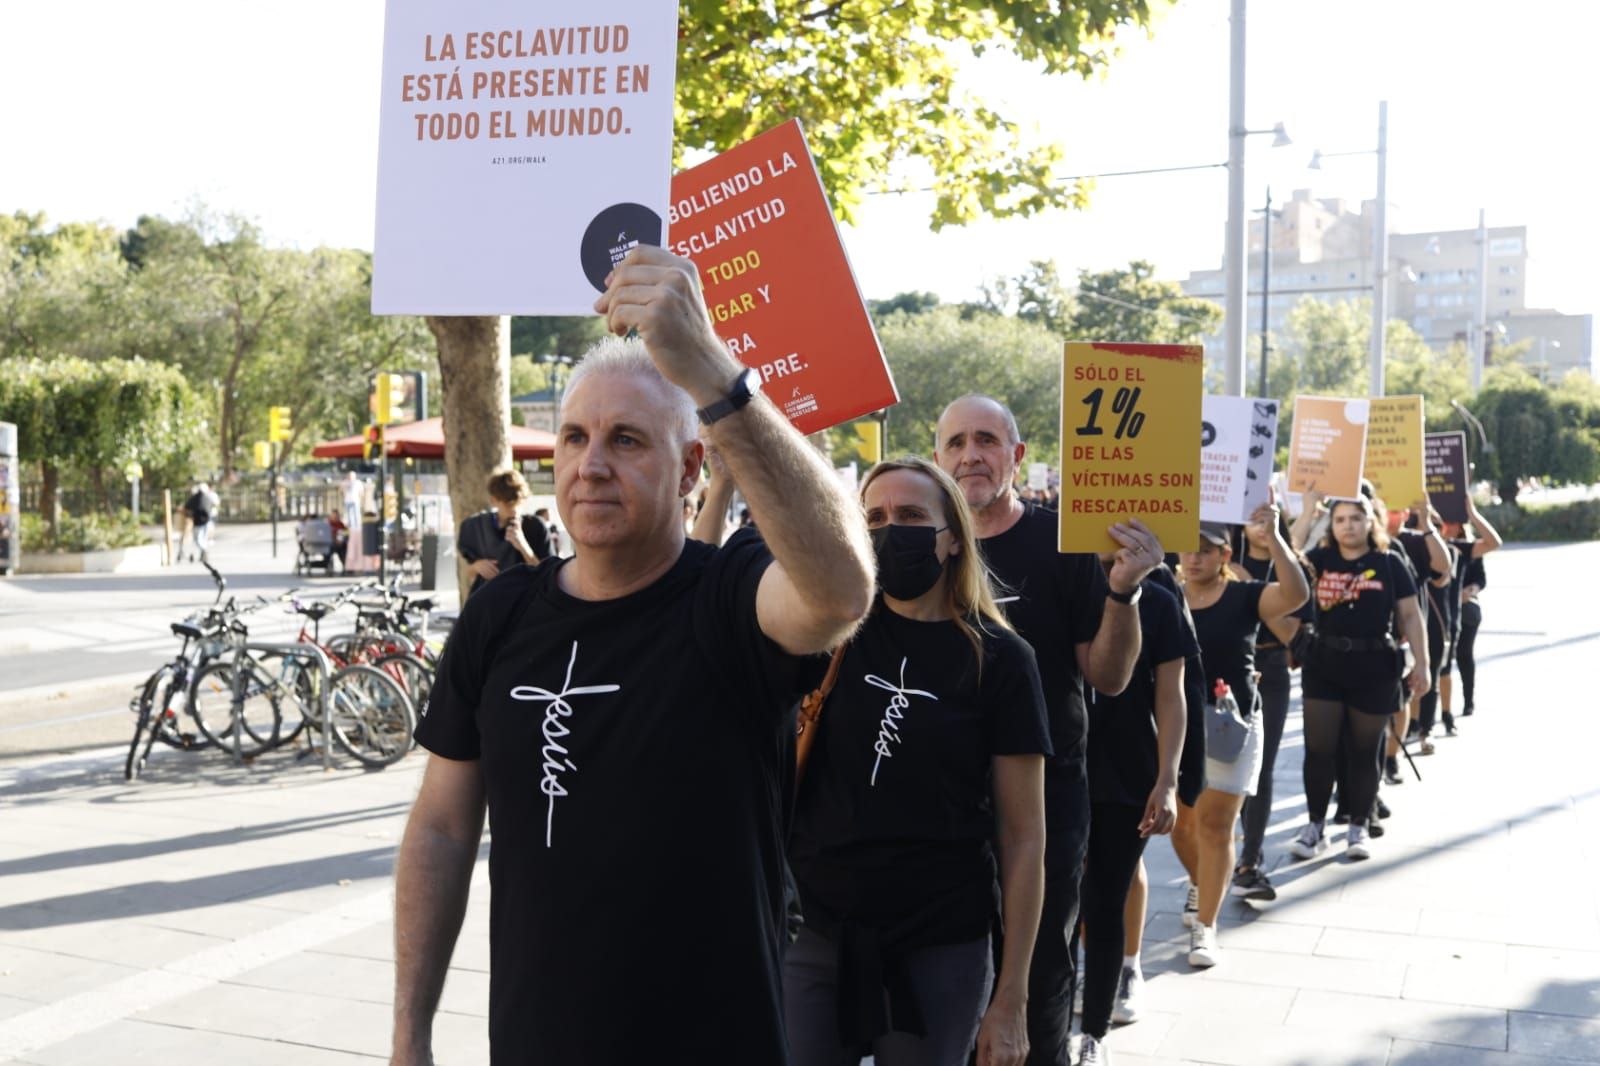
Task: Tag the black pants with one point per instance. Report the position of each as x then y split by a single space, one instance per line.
1428 708
1471 619
1114 850
1053 979
1273 663
1328 725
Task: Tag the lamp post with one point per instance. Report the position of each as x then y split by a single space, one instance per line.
1266 284
1380 245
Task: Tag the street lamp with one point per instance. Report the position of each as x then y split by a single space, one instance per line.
556 362
1380 243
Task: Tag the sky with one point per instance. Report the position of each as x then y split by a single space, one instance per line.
112 110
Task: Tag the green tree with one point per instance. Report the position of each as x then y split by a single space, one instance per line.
912 303
554 334
1532 433
97 416
1132 306
938 355
59 286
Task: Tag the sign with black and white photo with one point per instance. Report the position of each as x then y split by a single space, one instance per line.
1238 435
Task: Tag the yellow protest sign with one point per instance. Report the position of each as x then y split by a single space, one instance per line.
1130 443
1395 463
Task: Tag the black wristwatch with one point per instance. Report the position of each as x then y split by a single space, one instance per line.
743 390
1129 598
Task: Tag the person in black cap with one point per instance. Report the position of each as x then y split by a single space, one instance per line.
1227 612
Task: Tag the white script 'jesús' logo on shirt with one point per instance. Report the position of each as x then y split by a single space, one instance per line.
556 711
889 728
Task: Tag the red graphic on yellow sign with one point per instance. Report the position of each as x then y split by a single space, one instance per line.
1130 443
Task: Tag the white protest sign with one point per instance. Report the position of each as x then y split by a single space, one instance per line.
1238 435
1038 476
522 150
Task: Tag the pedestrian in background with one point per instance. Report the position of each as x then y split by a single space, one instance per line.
500 536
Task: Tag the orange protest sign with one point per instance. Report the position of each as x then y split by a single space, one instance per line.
1327 445
1394 462
1130 443
756 221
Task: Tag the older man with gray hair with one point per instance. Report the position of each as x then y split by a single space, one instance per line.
624 716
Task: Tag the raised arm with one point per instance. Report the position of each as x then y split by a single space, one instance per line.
431 878
1439 560
1019 811
821 584
1290 589
711 524
1306 520
1488 536
1107 661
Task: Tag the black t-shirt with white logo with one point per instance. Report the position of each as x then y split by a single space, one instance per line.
632 751
1227 632
1355 598
1055 601
893 826
1124 757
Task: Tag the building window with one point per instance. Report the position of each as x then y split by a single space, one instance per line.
1422 299
1508 292
1350 276
1508 270
1505 246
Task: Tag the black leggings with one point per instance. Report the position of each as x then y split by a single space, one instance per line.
1428 708
1471 618
1274 688
1327 722
1114 850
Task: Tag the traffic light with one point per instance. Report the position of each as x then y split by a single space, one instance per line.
279 423
868 441
388 397
263 450
372 443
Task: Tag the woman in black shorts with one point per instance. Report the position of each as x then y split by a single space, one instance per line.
931 745
1469 581
1350 679
1227 612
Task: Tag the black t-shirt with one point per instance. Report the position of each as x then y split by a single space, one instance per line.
484 537
1124 757
1415 544
893 826
1355 598
1227 633
1262 570
1452 595
1055 601
632 751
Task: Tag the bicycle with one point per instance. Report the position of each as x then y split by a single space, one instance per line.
167 691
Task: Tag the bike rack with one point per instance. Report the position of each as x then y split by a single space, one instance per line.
296 650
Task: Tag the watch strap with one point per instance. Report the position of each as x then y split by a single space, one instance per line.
740 393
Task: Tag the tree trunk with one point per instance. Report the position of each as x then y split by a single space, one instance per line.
50 499
475 375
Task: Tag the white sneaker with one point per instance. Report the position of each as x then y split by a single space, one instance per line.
1093 1053
1357 842
1191 905
1130 994
1309 844
1203 950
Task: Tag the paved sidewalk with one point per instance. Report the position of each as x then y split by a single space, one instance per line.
212 914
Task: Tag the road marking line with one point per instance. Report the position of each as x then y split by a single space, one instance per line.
56 1022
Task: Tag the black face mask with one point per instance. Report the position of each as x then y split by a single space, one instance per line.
908 562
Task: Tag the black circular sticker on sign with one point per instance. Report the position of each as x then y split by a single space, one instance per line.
613 233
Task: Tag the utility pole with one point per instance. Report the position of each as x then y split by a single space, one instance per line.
1233 311
1480 343
1380 254
1266 284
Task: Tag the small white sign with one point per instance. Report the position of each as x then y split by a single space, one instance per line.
1238 436
1038 476
522 151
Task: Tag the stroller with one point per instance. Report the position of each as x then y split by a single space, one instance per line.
318 547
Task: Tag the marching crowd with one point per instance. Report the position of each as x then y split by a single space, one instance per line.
869 774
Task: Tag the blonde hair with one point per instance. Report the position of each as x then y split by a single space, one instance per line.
969 591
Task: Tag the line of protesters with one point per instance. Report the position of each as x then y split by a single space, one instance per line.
858 778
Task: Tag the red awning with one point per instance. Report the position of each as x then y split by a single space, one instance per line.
425 440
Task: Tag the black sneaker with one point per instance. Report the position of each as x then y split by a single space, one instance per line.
1250 883
1340 818
1466 712
1381 807
1375 828
1391 771
1449 724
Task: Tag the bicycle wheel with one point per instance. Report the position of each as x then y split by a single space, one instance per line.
212 705
297 693
159 686
370 715
412 675
170 729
